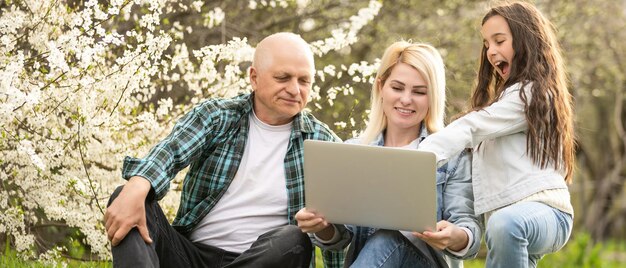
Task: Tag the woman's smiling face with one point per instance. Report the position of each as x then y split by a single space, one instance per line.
405 98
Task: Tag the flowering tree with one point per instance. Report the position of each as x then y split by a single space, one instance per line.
84 84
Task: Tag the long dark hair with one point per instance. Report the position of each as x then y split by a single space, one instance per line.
550 138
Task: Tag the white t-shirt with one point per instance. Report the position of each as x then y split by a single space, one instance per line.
256 200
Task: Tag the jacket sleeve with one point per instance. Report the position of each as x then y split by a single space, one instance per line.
344 238
458 202
186 142
503 117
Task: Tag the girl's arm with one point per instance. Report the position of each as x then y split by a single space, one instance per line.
504 117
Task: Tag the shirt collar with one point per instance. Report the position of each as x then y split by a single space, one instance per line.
301 122
380 139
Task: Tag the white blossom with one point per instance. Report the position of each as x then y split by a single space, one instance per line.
345 35
75 94
56 59
214 17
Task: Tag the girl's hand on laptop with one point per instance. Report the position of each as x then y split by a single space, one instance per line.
448 236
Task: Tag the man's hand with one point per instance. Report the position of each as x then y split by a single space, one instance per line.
447 236
311 222
128 211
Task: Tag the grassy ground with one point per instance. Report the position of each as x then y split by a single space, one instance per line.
10 259
579 252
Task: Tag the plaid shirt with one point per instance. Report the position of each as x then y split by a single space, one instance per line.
211 140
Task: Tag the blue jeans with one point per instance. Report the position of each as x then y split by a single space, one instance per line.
520 234
386 248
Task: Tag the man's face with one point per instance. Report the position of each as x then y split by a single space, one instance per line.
281 84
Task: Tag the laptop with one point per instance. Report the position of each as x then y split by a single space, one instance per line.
373 186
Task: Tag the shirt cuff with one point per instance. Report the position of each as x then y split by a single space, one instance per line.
332 240
470 240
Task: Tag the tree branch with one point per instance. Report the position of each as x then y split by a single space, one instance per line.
82 158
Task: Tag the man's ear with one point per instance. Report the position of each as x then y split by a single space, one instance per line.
253 78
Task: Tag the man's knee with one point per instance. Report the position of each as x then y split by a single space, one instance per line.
132 251
115 194
292 238
285 246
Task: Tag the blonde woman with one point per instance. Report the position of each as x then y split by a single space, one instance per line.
407 104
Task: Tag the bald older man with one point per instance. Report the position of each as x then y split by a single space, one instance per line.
245 181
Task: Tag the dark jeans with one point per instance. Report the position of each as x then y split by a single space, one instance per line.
286 246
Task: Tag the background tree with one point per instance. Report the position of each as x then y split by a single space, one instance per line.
82 84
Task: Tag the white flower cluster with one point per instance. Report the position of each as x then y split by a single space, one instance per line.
254 4
346 34
78 94
214 17
362 72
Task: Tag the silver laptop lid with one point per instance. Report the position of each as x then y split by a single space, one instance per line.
382 187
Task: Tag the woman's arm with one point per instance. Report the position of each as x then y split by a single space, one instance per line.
460 230
458 202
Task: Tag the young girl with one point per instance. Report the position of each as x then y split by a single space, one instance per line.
521 130
407 104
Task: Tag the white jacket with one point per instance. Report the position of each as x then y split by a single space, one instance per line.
502 171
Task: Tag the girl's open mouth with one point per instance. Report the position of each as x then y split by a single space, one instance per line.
503 66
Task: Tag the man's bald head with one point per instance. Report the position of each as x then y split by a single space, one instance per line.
282 42
281 77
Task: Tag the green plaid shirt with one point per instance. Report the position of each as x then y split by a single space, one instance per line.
211 140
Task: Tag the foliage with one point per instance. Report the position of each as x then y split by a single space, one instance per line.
595 58
83 84
581 252
11 258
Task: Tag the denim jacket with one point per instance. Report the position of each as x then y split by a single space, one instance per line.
503 172
454 204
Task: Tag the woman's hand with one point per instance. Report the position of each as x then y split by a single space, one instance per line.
447 236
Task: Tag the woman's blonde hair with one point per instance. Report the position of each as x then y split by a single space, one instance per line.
428 62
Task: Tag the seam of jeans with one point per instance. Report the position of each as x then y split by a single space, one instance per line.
177 250
412 250
420 257
388 255
560 240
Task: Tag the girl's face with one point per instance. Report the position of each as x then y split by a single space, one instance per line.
405 98
498 41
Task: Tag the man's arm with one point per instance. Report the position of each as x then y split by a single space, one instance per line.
185 143
189 138
128 211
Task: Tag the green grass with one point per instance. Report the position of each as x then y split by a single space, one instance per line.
579 252
10 260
